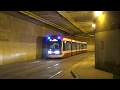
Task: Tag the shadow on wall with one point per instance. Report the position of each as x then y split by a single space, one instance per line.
41 47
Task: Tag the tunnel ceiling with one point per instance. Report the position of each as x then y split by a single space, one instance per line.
77 23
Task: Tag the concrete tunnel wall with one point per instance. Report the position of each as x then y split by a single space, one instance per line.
21 40
18 39
107 42
91 45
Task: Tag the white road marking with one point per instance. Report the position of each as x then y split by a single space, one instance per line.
55 74
56 64
47 67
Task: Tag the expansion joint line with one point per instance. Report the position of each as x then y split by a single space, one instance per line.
70 19
30 14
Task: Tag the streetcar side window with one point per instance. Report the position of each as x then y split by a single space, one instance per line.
73 46
78 46
84 46
66 45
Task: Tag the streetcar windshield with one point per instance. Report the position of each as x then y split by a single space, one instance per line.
54 46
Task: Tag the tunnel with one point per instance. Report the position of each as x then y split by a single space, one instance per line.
24 38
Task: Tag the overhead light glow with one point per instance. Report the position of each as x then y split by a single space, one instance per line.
93 25
98 13
59 11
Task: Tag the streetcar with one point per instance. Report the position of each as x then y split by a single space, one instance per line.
59 46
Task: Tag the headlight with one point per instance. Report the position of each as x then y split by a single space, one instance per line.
49 52
57 52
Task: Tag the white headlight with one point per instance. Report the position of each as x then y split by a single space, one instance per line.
49 52
57 52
